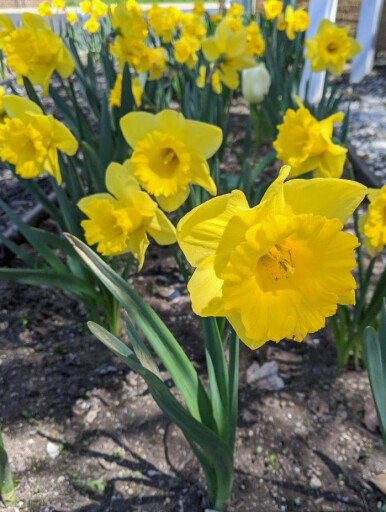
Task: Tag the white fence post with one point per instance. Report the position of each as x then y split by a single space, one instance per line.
367 31
318 10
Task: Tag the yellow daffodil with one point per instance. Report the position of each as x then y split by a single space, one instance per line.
289 22
2 93
215 80
301 20
95 8
373 224
193 25
215 18
276 270
36 52
72 18
185 50
330 48
58 4
230 53
121 220
44 9
255 42
6 28
281 24
169 152
235 24
198 8
163 21
273 9
91 25
305 144
116 91
201 77
235 10
30 140
86 6
129 22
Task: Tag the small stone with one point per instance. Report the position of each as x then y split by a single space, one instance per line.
315 482
266 376
61 479
91 416
53 450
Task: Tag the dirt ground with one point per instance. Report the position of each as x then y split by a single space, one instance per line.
84 435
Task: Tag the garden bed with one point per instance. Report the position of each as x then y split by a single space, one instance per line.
304 447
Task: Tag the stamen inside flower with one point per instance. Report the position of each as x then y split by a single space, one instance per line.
332 47
275 266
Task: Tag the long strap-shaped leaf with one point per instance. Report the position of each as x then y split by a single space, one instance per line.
197 433
155 331
375 345
7 492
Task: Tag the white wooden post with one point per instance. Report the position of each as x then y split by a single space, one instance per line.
318 10
367 31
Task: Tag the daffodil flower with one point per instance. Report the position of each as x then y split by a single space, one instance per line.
373 224
169 152
30 140
34 51
120 221
276 270
330 48
305 144
229 51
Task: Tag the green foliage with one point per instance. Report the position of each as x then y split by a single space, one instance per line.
7 491
375 345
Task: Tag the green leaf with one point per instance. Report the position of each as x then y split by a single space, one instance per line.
31 93
141 350
46 277
7 491
29 259
127 99
197 433
106 141
155 331
375 346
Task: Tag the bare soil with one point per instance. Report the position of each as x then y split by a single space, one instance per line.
303 448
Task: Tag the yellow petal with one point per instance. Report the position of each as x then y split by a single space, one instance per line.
136 125
333 198
85 201
203 138
65 64
51 164
137 244
121 183
201 231
171 122
201 175
34 22
15 106
210 49
205 290
63 139
171 203
161 229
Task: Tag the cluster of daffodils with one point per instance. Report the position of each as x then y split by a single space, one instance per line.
290 21
95 9
34 51
305 144
30 140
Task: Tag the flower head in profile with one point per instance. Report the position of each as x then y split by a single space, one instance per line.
128 21
72 18
273 9
330 48
30 140
34 51
91 25
121 220
169 153
276 270
214 78
199 8
58 4
255 42
373 224
305 144
229 51
185 50
44 9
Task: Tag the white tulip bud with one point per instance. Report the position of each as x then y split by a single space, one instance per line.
256 83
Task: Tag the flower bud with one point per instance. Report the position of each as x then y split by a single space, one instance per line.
256 83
